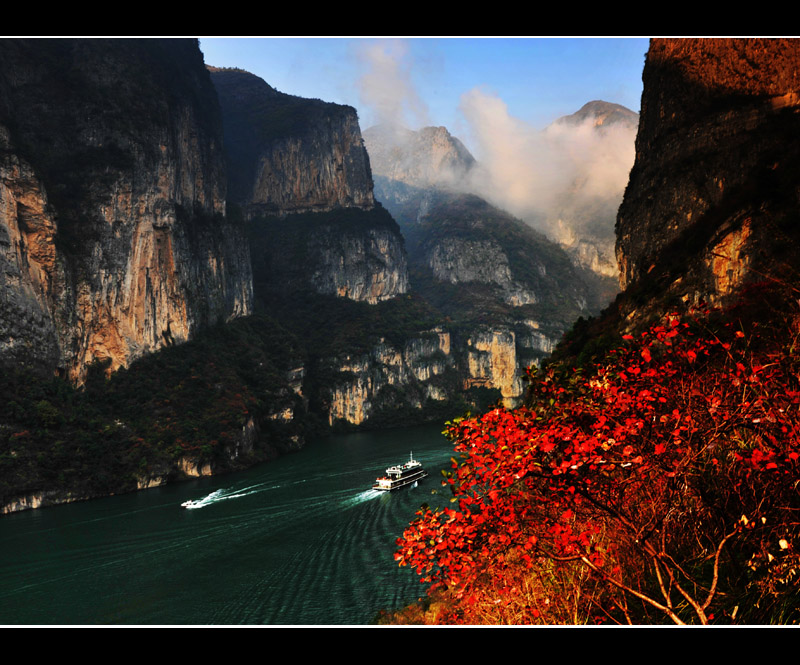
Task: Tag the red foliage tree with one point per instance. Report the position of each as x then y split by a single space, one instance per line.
662 483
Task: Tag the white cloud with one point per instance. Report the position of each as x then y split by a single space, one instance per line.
386 87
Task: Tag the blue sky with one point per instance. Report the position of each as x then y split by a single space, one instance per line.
423 80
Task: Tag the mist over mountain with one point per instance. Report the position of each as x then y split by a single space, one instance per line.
565 181
427 158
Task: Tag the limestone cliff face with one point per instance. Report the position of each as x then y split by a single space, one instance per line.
435 366
349 253
30 276
113 237
368 266
492 363
391 376
463 240
289 154
300 173
461 260
712 197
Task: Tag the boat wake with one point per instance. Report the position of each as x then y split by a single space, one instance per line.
361 497
220 495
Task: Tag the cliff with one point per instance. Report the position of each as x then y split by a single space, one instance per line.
300 174
712 197
348 253
113 235
288 154
436 372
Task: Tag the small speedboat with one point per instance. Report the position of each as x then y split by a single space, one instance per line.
190 504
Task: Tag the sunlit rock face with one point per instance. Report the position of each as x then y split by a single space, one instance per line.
291 156
394 376
113 235
492 362
712 198
434 367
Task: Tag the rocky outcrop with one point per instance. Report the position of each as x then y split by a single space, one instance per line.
712 197
29 272
368 266
113 237
435 366
430 157
492 363
300 173
463 240
407 376
458 260
349 253
38 500
289 154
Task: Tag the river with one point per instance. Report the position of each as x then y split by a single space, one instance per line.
302 540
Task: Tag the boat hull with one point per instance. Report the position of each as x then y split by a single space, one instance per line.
400 482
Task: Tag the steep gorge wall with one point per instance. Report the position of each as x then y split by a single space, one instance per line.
289 154
435 366
712 198
113 235
290 157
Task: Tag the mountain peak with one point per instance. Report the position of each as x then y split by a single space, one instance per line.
428 157
602 114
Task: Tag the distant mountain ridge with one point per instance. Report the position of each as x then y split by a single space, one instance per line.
425 158
580 217
602 114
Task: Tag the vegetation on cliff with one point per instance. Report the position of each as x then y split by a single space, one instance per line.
657 486
187 402
506 257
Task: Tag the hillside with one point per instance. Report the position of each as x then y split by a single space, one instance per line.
653 479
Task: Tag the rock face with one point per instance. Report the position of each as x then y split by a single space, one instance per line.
288 154
289 157
349 253
367 267
420 370
434 366
712 197
430 157
113 237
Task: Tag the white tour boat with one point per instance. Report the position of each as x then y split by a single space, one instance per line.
400 475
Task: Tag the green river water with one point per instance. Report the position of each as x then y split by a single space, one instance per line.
302 540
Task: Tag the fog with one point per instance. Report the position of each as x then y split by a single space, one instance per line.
385 88
567 179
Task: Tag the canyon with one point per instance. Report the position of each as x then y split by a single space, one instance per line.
204 260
